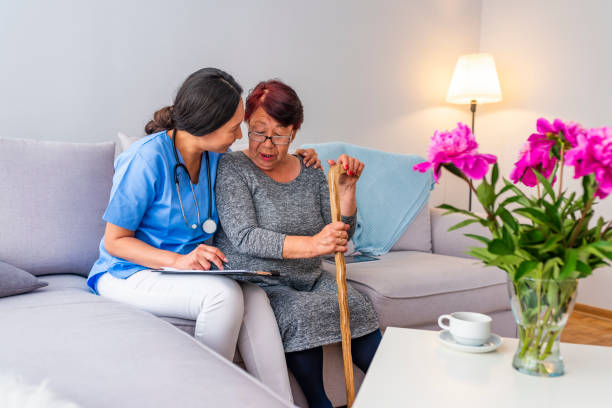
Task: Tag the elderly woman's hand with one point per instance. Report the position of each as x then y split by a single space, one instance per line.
331 239
353 168
310 157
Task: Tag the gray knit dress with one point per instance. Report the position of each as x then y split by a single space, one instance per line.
255 214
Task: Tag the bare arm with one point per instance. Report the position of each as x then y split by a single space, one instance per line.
347 183
332 238
121 243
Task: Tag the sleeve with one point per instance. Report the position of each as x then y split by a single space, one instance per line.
238 217
132 193
326 207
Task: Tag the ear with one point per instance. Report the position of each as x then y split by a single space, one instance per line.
293 137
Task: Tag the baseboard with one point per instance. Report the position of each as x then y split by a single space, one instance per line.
593 311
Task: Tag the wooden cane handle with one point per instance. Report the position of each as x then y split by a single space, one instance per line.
345 328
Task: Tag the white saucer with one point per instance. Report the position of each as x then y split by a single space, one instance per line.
493 342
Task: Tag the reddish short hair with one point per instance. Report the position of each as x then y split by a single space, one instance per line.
278 100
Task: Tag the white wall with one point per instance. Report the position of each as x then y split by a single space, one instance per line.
554 59
369 72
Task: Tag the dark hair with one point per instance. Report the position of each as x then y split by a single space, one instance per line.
206 101
278 100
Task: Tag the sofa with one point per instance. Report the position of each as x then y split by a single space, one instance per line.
89 350
99 353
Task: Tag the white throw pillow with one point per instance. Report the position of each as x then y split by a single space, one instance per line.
125 141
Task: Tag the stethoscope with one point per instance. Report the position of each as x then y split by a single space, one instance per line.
209 226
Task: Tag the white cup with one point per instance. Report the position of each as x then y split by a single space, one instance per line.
471 329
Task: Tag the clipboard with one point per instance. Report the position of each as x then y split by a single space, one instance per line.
225 272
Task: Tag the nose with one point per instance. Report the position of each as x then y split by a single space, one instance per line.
268 139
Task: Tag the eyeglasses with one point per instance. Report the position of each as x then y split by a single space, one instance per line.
275 139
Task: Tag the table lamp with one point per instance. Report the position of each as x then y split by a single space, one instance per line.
474 81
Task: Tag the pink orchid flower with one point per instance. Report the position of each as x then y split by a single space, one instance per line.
593 155
458 147
534 155
570 130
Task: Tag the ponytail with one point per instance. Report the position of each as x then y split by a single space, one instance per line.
162 120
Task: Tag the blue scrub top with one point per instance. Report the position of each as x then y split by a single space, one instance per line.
144 200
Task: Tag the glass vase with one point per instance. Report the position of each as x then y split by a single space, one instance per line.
541 308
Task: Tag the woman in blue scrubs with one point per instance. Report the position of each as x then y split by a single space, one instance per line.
162 211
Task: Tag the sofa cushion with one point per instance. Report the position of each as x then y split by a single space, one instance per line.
100 353
65 281
51 206
15 281
410 288
417 236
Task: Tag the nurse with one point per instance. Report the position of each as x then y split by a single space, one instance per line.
162 211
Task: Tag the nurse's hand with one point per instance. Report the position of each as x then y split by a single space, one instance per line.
200 258
310 157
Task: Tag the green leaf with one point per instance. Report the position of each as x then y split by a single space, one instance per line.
494 174
499 247
525 201
551 264
504 189
599 228
461 224
524 268
454 210
571 258
509 200
603 245
506 261
568 203
553 215
534 214
481 253
550 244
478 238
545 183
533 236
507 237
454 169
599 253
485 194
508 219
552 294
588 188
584 269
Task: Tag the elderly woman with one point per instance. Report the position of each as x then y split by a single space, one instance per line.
275 215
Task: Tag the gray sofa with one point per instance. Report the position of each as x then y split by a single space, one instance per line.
92 351
101 353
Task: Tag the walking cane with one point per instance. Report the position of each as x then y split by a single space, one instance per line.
345 328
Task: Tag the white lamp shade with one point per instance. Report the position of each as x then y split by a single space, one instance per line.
475 78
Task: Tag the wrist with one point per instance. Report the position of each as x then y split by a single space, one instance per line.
172 259
347 188
312 247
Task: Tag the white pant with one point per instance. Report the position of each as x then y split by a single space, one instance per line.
226 314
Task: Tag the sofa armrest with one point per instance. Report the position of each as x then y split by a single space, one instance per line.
453 243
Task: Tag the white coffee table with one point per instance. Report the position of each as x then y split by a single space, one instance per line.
413 369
